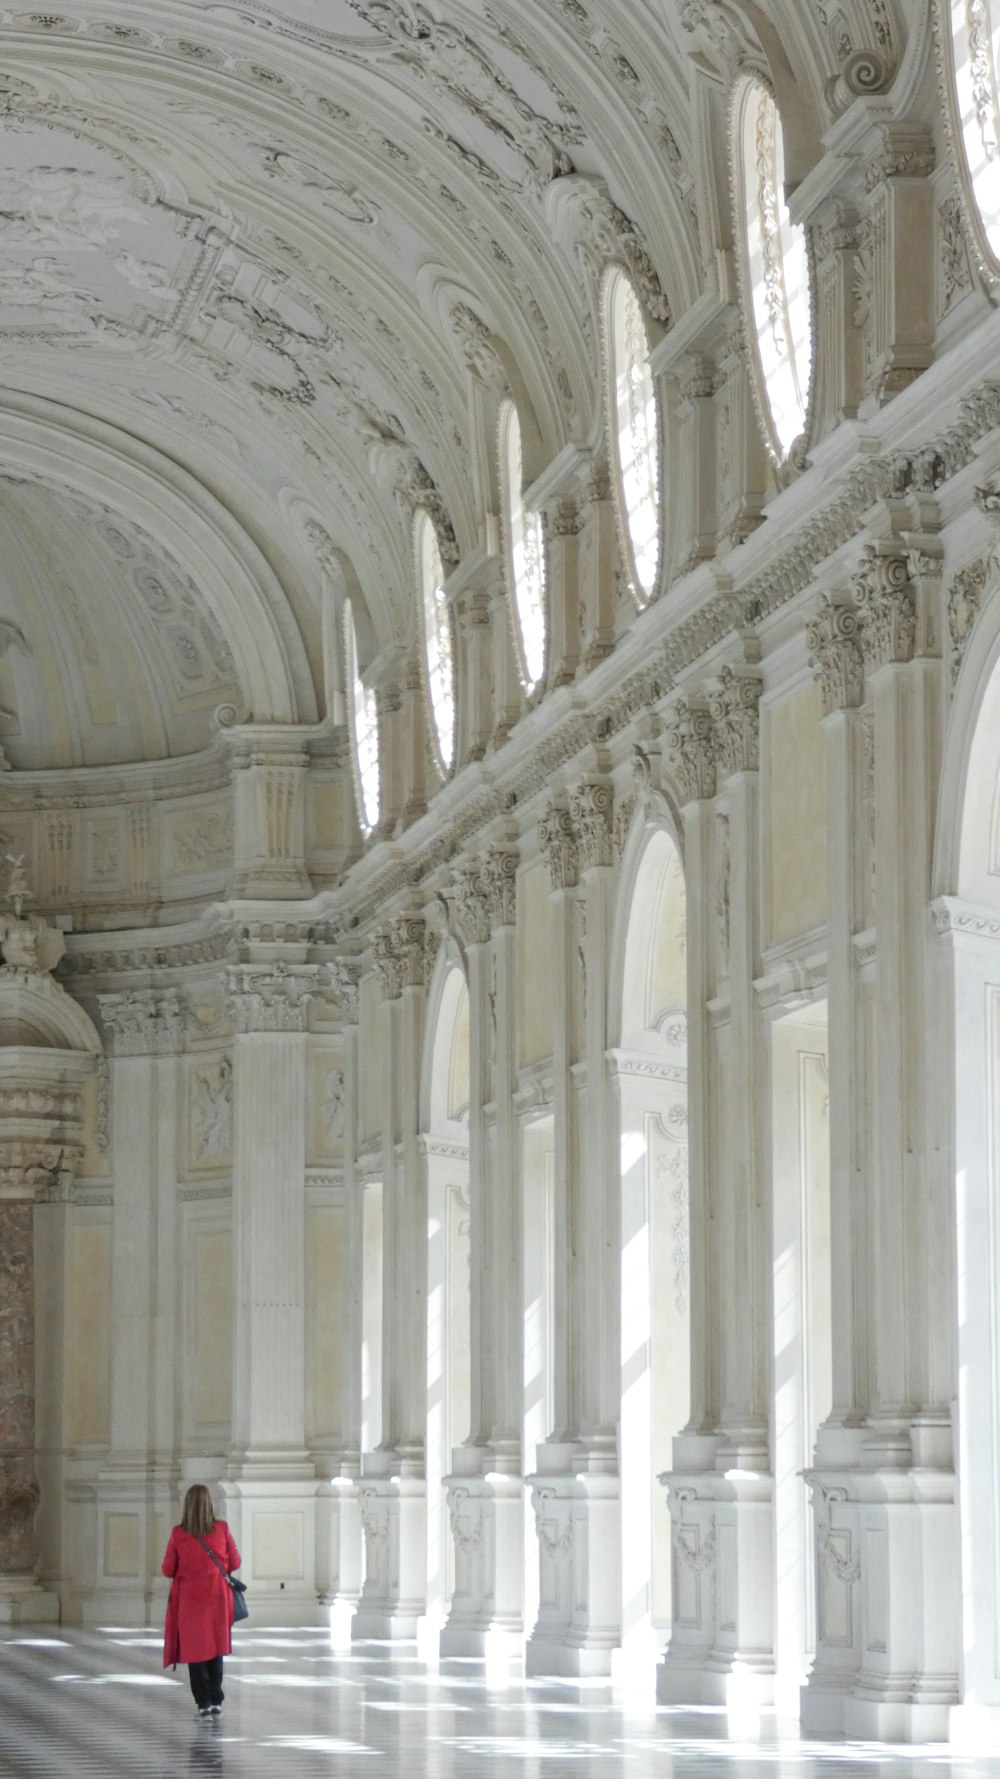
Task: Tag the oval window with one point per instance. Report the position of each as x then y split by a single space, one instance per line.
775 266
439 654
363 711
634 424
975 51
525 555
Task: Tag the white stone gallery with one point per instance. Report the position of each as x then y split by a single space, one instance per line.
500 873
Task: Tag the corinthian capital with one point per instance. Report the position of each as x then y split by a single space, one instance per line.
592 814
143 1021
402 953
887 604
689 746
472 906
558 839
500 878
735 708
835 656
269 997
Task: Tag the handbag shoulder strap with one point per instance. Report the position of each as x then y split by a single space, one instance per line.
217 1560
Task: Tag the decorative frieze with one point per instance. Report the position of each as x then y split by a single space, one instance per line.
835 655
143 1021
269 997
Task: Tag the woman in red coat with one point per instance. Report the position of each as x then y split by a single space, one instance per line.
200 1608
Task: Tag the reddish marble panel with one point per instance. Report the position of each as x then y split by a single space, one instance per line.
18 1487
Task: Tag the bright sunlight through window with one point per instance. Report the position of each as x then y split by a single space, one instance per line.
635 433
777 273
525 555
975 39
439 658
364 733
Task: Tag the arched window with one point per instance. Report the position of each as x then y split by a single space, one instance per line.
775 271
525 555
634 425
975 51
439 653
363 708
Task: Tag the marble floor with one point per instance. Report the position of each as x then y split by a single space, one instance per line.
99 1704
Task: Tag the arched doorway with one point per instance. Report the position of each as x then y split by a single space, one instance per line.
967 919
445 1143
649 1064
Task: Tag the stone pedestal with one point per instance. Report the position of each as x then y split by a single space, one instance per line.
394 1520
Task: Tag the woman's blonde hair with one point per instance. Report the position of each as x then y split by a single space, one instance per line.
198 1516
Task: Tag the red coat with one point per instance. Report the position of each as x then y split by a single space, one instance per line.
200 1607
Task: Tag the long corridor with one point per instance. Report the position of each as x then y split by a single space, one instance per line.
99 1704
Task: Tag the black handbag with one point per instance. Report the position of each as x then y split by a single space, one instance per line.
237 1588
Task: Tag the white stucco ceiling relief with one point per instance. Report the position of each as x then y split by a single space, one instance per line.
274 251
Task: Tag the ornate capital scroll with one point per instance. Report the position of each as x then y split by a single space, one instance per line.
836 657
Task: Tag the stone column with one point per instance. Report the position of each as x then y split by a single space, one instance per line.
393 1492
270 1484
722 1506
908 1676
485 1490
338 1503
595 1631
575 1492
838 664
136 1486
688 1484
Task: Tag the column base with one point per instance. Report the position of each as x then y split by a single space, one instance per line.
975 1727
578 1523
897 1720
393 1512
742 1683
26 1602
486 1511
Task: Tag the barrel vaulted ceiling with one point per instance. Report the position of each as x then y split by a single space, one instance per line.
254 261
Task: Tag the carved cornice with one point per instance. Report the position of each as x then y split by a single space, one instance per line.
690 751
887 606
735 708
835 655
143 1021
270 997
558 839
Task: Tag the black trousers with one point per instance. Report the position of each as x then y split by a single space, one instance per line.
206 1681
